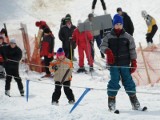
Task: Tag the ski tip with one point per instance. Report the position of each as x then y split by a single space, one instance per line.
116 111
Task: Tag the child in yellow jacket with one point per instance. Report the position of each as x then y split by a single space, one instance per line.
62 68
152 27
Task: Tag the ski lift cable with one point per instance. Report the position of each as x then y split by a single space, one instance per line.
107 67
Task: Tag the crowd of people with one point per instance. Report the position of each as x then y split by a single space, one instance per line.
118 46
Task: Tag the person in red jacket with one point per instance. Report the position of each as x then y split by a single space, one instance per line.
83 41
41 24
47 49
2 43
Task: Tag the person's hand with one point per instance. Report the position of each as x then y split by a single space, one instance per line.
133 66
110 56
55 68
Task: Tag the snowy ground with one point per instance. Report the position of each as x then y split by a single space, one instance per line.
94 104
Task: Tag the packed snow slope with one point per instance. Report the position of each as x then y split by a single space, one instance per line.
94 104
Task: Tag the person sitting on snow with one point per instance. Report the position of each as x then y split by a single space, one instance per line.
119 47
152 27
62 69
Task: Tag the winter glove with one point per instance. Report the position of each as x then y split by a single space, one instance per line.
110 56
133 66
50 55
55 68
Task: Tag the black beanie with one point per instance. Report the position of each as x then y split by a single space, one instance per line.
119 9
47 30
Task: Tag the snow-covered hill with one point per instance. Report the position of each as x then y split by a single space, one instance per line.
94 104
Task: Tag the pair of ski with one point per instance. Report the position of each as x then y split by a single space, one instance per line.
140 109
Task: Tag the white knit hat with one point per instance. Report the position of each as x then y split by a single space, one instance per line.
144 13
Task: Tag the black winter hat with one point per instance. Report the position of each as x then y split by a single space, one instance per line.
67 19
3 30
119 9
68 15
47 30
90 15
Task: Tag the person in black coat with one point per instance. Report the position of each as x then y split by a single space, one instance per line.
65 35
127 22
47 49
12 54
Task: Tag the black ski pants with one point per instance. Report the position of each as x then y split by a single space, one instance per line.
67 90
47 62
150 36
15 73
102 2
68 53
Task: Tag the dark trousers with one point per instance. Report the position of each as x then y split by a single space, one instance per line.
68 53
128 83
151 35
15 73
102 2
57 92
47 62
98 41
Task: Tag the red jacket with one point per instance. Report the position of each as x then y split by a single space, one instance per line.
47 45
1 57
82 38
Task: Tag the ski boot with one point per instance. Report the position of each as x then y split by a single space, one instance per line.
81 70
91 69
71 101
7 92
134 102
22 92
112 103
55 103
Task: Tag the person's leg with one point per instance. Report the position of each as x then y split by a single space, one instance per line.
81 56
8 78
57 92
130 87
2 73
99 41
113 84
18 80
103 4
94 4
8 82
68 92
154 30
88 55
113 87
47 62
92 50
127 81
67 53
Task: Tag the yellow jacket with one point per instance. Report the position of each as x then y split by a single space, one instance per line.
150 23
